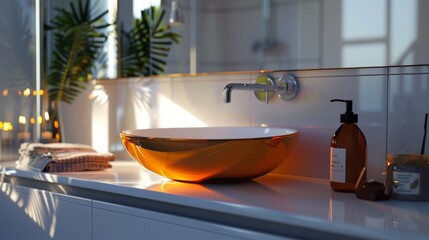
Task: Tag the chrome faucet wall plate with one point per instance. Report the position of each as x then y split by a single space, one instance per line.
289 86
286 87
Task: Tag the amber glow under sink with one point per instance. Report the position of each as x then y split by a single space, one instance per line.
211 154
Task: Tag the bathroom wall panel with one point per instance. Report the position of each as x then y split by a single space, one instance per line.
76 118
408 98
108 107
391 112
317 119
199 102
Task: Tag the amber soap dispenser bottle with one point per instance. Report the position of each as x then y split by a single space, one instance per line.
348 152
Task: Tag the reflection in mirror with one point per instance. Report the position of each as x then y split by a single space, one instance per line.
18 92
241 35
144 49
77 34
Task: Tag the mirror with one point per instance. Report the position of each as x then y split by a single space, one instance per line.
242 35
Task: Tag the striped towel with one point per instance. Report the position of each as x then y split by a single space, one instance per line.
62 157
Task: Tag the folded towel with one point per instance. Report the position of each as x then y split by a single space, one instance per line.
31 148
62 157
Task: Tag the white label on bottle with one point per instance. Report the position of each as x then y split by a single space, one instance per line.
338 165
406 183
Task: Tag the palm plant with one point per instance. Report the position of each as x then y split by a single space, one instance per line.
78 39
78 43
144 49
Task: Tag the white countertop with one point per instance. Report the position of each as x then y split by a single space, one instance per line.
279 198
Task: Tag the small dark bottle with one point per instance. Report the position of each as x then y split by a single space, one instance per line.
348 153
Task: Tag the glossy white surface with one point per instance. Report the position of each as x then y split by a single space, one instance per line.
211 133
39 214
317 119
408 97
196 101
285 199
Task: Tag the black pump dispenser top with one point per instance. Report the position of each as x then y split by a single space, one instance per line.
348 116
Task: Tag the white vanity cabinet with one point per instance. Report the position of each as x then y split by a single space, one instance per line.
28 213
111 205
31 213
122 222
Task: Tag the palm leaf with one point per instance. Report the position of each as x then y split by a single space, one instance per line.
66 76
144 49
78 41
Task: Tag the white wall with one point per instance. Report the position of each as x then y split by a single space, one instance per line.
390 107
408 103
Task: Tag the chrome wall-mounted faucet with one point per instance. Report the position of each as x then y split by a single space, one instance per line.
265 87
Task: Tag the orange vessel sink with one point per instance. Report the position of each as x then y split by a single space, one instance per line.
210 154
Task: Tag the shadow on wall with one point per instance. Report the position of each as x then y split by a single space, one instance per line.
422 40
389 33
409 95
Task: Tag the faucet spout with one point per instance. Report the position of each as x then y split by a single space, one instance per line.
227 91
286 87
